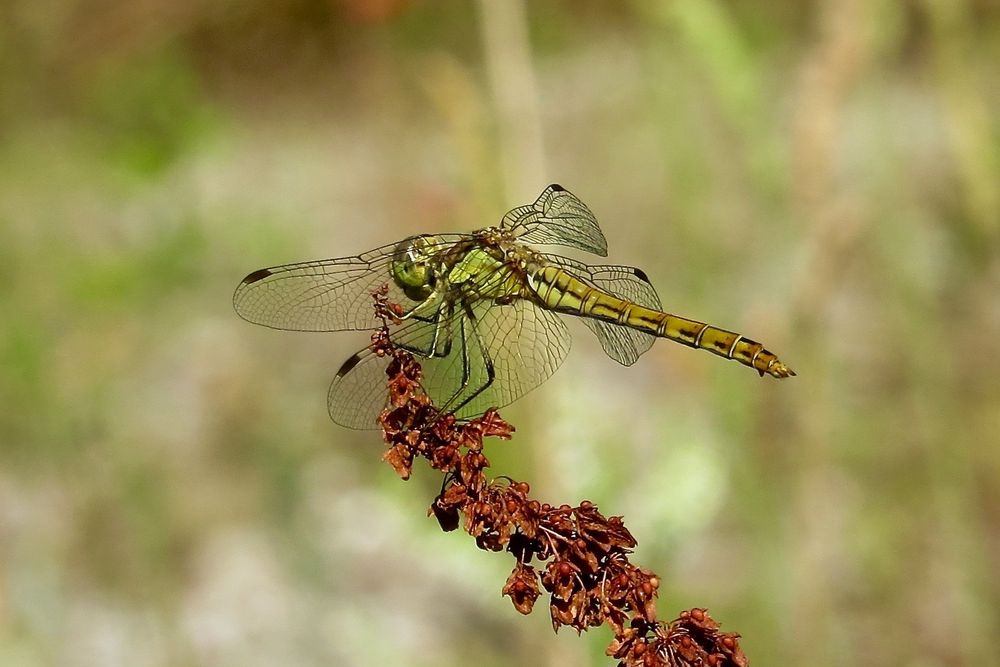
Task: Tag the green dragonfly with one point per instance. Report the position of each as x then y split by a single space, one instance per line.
481 309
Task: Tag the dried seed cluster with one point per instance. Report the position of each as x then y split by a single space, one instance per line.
581 555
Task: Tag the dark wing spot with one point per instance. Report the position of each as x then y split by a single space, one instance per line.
349 365
257 275
555 187
641 275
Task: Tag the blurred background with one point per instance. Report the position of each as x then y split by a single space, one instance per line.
822 176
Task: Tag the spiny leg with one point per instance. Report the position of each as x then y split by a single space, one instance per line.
470 321
438 320
438 328
446 407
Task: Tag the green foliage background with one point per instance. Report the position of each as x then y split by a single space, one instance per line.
823 176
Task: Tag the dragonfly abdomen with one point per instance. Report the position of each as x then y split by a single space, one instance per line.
728 344
563 292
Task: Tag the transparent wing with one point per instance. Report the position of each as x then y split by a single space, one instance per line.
522 344
621 343
525 344
323 295
359 392
557 217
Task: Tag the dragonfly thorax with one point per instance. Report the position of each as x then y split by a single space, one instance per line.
412 267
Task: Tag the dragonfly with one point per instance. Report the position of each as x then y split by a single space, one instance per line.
484 311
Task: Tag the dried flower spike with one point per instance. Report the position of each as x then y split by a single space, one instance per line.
583 556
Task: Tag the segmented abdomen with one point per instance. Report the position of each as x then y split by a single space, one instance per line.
559 290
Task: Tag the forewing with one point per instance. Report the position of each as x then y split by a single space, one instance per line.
323 295
621 343
557 217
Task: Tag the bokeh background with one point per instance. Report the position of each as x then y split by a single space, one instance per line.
823 176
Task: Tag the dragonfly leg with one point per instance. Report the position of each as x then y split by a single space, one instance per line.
414 313
438 328
470 321
433 348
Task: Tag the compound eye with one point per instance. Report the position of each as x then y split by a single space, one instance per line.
411 269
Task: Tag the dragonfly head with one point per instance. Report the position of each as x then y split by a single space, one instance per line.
412 268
